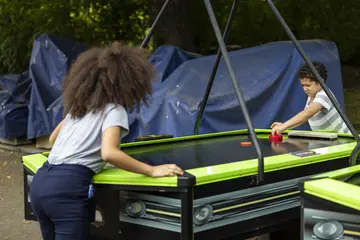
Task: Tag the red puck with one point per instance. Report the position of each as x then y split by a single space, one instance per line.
275 138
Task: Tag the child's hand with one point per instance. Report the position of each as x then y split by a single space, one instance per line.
166 170
275 124
278 129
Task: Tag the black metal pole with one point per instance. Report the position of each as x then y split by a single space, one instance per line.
239 95
354 155
149 34
187 212
317 75
213 73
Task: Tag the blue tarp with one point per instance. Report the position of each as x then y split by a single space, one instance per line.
50 59
49 64
14 97
266 75
167 59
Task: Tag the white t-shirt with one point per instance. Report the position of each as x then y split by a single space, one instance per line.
79 140
328 119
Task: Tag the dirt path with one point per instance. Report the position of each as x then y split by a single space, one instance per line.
12 223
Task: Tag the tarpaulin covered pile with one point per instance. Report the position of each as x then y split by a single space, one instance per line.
14 97
266 75
49 63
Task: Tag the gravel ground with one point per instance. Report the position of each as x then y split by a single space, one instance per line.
13 226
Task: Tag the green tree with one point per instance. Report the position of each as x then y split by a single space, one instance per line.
88 21
185 24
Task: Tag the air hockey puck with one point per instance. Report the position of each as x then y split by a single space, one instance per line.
245 144
276 138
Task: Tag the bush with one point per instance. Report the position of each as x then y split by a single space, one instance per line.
99 21
90 22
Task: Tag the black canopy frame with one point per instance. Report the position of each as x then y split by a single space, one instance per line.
222 52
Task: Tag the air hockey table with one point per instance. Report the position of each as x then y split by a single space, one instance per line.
218 197
330 205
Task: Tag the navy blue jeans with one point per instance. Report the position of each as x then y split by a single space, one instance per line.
59 196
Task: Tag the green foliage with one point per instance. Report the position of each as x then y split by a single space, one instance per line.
255 24
21 21
95 22
90 22
110 20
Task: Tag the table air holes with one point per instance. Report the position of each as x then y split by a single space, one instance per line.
135 208
328 230
203 214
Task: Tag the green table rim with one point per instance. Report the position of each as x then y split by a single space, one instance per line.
335 191
222 172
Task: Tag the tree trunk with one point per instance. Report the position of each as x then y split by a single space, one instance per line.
173 27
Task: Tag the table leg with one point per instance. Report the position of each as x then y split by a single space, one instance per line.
187 212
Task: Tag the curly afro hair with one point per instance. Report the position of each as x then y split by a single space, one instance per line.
115 74
305 71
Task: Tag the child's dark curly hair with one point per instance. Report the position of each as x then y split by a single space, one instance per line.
305 71
115 74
